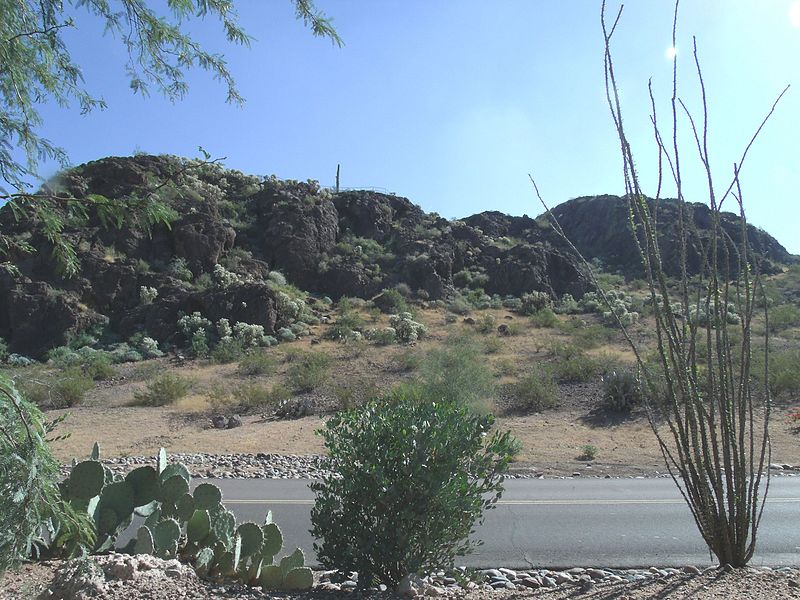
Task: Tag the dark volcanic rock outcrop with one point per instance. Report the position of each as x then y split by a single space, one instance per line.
599 228
231 230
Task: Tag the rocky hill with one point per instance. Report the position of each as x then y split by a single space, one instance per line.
599 228
236 239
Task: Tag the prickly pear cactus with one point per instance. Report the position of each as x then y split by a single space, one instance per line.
198 527
86 480
273 541
271 577
299 578
252 538
145 484
144 541
193 525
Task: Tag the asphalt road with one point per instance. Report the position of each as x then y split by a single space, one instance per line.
555 523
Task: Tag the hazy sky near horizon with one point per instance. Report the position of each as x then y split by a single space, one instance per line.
452 104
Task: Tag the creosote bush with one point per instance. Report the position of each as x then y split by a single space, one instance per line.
588 452
57 390
411 476
544 317
308 370
347 327
165 389
621 391
257 362
535 391
458 372
486 323
253 396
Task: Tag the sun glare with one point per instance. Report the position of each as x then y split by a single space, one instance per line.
794 14
671 52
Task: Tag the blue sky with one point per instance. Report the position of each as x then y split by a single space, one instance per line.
452 103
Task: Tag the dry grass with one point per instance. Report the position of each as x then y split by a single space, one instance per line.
551 440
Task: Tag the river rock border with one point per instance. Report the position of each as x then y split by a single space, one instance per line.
312 466
442 584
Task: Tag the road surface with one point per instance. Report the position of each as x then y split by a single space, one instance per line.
554 523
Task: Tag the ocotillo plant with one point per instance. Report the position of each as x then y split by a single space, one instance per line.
714 436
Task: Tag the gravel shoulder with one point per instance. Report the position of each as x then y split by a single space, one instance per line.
36 581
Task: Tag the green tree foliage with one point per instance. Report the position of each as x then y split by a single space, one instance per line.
29 475
36 66
410 478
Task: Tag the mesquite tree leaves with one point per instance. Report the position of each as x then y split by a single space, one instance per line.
36 65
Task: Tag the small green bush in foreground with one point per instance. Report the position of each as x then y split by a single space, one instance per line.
410 478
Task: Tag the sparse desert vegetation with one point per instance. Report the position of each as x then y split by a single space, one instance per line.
569 381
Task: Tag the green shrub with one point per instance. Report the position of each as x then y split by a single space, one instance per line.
591 336
563 349
458 372
203 282
544 317
479 299
309 371
512 328
391 302
95 364
59 390
486 323
70 388
536 391
353 393
784 373
227 350
347 327
588 452
3 350
382 337
577 368
493 345
462 279
179 269
165 389
410 478
253 396
459 306
783 317
219 396
621 391
348 303
404 289
408 360
257 363
505 367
